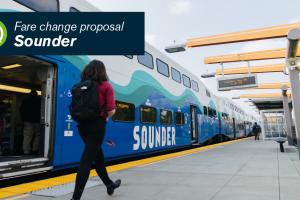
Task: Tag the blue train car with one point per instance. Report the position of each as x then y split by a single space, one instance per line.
160 105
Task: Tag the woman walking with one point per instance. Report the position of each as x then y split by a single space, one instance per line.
92 131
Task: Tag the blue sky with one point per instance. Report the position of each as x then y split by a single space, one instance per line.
169 20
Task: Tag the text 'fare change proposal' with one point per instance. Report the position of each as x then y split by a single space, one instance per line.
61 33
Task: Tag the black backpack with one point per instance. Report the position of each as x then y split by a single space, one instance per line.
85 103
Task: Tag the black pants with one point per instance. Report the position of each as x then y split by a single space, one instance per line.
256 136
92 133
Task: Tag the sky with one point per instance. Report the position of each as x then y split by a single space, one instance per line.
169 21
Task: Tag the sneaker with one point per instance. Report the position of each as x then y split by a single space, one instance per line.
111 187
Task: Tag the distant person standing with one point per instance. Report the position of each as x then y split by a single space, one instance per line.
30 112
92 104
256 130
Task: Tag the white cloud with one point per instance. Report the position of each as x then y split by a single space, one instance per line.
263 45
295 20
179 7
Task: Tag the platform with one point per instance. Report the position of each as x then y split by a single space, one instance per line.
243 170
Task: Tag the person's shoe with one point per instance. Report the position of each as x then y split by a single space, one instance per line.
111 187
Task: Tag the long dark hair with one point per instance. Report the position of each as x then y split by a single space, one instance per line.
95 71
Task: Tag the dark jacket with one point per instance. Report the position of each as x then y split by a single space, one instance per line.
256 129
30 109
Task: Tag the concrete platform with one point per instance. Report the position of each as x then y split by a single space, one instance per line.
244 170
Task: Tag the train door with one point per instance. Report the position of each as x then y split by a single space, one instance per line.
26 108
234 127
194 124
220 138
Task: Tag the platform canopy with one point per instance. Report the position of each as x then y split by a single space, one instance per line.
249 56
263 96
271 86
243 36
252 69
267 104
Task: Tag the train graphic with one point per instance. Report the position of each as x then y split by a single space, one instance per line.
160 105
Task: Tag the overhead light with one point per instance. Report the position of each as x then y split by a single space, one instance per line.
11 66
208 75
17 89
175 48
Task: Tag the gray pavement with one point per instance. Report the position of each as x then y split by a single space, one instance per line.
246 170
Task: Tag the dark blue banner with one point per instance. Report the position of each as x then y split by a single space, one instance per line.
73 33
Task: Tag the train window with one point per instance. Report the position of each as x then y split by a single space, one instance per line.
146 60
148 114
195 86
210 112
224 116
186 81
41 6
205 110
125 112
176 76
207 93
165 117
162 67
129 56
72 9
214 113
179 118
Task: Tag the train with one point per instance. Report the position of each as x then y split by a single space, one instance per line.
160 105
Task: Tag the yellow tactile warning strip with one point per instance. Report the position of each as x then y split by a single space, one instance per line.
42 184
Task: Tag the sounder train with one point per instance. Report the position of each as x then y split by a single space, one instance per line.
159 104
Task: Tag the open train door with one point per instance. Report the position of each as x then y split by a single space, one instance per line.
194 124
25 128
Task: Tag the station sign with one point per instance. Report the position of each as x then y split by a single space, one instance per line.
237 82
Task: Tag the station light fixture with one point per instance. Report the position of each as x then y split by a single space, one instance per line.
17 89
11 66
208 75
175 48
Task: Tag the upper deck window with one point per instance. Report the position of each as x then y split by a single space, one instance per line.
41 6
162 67
146 60
186 81
129 56
195 86
72 9
176 76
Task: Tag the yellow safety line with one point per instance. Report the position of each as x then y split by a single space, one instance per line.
19 197
51 182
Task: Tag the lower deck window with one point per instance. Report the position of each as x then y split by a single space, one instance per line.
165 117
148 114
205 110
179 118
124 112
